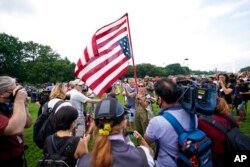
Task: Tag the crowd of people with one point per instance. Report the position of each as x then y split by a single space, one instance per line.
109 121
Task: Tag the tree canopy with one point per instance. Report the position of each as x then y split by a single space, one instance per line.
33 63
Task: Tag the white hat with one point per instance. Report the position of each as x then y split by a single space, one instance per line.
78 82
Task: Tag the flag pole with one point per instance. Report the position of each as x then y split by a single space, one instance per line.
132 55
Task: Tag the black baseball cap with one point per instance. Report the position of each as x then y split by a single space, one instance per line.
109 109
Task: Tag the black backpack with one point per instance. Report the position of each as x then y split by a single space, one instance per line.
236 140
44 125
54 157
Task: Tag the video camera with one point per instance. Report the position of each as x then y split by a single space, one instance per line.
44 96
197 97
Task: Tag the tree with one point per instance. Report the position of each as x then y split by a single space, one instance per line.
175 69
245 69
31 51
10 55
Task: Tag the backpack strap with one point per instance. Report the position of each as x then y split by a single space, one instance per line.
51 113
44 108
176 125
144 157
231 121
57 105
215 124
41 108
174 122
50 144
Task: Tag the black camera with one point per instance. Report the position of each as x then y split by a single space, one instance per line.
85 88
43 97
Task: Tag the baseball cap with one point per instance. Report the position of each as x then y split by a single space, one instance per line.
78 82
109 109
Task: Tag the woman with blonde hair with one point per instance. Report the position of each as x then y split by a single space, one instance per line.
58 93
111 147
57 100
222 115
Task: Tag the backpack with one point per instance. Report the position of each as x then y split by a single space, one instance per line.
236 140
54 157
194 147
44 126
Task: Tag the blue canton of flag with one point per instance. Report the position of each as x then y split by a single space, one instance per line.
124 43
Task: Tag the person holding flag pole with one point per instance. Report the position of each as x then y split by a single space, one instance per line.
104 61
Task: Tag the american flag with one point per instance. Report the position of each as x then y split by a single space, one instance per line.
106 58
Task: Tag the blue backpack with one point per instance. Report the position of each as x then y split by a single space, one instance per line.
194 147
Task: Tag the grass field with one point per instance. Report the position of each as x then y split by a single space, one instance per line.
34 153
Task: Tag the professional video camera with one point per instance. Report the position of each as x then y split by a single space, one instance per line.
44 96
197 97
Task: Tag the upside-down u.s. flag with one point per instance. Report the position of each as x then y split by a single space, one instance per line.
106 58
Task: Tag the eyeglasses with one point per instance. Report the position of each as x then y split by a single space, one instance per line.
140 86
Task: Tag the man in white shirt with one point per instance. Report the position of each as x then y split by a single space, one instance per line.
77 99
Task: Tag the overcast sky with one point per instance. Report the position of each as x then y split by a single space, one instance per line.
209 33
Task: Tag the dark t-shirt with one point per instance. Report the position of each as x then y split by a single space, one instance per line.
227 97
70 149
244 89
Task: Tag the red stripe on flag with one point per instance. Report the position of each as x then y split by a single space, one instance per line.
103 53
112 81
102 44
79 67
101 65
86 54
115 28
113 46
107 73
94 46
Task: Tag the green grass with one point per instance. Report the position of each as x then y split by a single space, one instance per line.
34 153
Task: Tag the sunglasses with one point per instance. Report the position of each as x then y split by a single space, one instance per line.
140 86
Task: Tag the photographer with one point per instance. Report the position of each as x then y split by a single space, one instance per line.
14 117
159 130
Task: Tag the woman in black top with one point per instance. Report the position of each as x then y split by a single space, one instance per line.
65 124
225 90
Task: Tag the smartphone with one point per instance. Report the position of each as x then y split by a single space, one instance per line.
130 133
